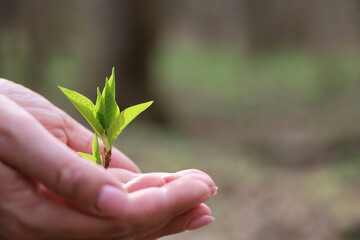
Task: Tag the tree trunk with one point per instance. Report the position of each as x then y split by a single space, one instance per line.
133 35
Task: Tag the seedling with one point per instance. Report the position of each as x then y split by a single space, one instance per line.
104 117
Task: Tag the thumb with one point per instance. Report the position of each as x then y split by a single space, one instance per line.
28 147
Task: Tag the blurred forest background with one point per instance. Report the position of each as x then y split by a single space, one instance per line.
264 95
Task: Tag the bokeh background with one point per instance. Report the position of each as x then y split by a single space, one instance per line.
264 95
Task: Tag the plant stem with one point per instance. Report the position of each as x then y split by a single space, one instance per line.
107 150
107 159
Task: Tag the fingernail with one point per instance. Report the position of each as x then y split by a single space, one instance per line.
214 190
200 222
112 200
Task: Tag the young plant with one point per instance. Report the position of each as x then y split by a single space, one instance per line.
104 117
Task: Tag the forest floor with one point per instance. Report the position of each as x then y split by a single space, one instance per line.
255 200
277 133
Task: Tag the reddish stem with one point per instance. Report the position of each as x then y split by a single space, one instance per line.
107 159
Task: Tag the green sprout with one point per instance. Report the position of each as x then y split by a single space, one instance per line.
104 117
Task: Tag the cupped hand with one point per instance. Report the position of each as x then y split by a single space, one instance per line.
47 191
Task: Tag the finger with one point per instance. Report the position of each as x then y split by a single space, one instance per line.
197 217
147 210
122 175
173 176
28 146
157 179
75 224
37 208
125 176
196 174
58 123
145 181
165 202
80 225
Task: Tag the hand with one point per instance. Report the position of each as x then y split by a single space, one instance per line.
47 191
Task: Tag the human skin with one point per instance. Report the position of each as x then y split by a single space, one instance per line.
48 191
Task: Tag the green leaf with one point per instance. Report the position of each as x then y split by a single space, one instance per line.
111 108
96 150
98 98
88 156
85 107
96 155
77 98
100 109
124 118
112 81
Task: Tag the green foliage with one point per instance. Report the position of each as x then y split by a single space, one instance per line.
111 108
96 155
85 107
105 116
100 108
124 118
96 150
88 156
